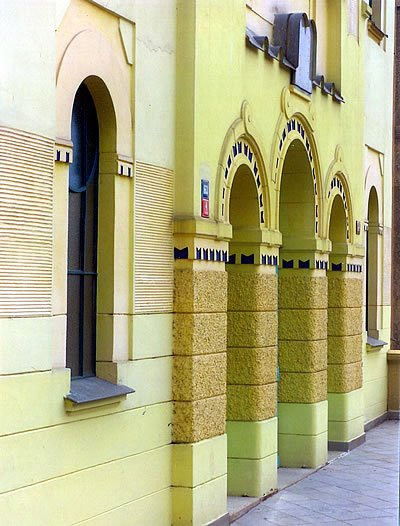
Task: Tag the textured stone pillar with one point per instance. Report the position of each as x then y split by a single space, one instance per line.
251 379
302 408
199 393
346 420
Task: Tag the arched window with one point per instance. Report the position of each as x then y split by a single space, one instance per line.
82 237
371 279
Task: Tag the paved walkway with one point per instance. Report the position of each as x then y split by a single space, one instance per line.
360 487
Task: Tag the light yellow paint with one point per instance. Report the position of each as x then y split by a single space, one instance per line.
198 463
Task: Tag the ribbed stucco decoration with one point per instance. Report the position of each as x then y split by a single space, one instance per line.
154 198
352 17
26 226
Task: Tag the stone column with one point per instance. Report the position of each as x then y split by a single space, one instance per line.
393 358
199 392
302 408
395 267
251 378
345 397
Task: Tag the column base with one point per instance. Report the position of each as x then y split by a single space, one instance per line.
346 446
252 478
303 436
252 457
345 418
199 483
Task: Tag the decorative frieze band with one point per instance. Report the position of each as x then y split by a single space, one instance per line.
63 151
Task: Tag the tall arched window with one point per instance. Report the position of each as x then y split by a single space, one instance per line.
82 237
371 249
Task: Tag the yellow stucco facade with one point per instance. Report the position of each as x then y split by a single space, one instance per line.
247 325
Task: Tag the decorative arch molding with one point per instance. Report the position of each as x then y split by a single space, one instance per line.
240 147
373 180
337 183
90 54
297 127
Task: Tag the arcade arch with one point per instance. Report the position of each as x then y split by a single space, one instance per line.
302 302
251 338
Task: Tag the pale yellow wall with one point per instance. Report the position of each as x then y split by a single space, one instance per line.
260 14
227 72
104 449
377 173
122 452
22 102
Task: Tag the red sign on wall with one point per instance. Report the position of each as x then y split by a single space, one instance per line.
205 208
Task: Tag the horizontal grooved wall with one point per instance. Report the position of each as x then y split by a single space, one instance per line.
154 201
26 229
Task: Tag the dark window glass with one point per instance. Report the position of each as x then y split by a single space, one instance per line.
82 237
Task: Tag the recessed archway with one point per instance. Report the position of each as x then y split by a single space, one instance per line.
296 198
251 337
345 421
302 299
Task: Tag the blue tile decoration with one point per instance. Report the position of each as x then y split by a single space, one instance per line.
247 260
181 253
287 264
304 264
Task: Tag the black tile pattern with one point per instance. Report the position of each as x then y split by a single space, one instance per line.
242 148
336 183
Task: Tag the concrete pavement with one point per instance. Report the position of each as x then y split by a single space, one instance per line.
360 487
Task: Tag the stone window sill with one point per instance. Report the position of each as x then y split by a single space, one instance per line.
373 344
375 32
87 393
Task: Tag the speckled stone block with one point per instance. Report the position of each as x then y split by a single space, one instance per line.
252 366
344 378
304 324
196 420
252 329
251 402
199 376
303 387
345 321
252 292
200 333
303 292
344 292
200 291
303 356
344 349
